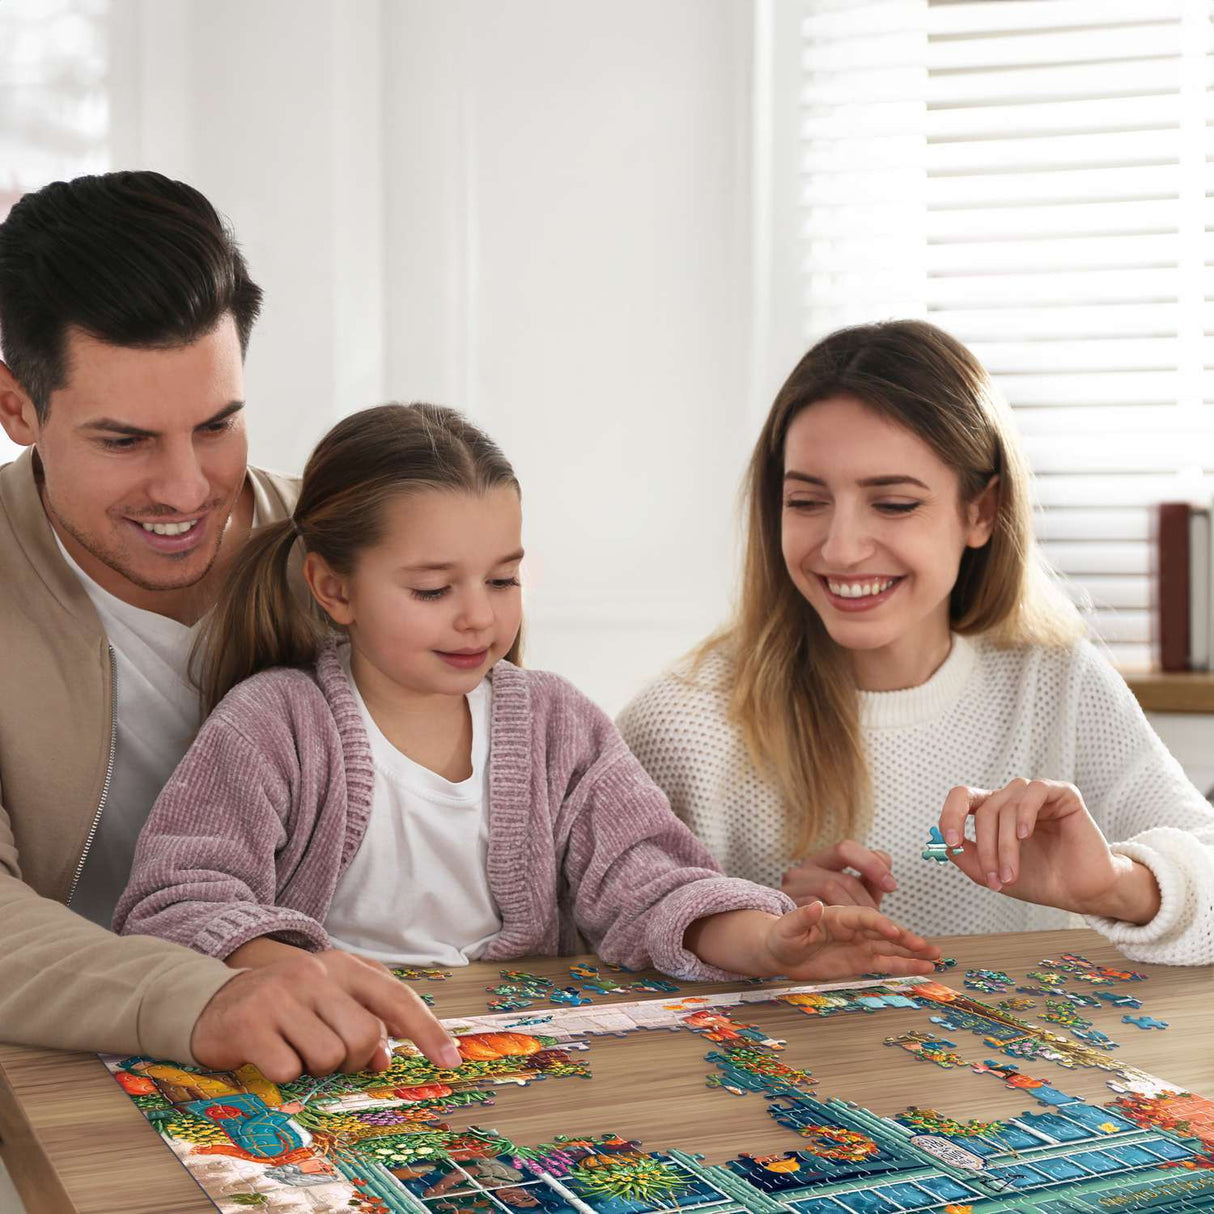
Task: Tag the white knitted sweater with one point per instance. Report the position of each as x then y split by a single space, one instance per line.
986 716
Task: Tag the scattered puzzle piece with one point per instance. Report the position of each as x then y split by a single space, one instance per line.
929 1048
509 1004
936 849
1095 1037
990 981
657 986
603 986
1017 1004
569 996
1145 1022
1065 1014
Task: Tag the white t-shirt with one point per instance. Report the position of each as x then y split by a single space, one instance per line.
417 891
159 713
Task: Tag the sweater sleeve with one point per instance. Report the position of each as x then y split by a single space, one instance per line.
67 984
1149 811
638 877
204 873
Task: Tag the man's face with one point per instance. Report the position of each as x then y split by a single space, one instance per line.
144 455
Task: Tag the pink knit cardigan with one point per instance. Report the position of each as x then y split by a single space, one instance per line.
266 811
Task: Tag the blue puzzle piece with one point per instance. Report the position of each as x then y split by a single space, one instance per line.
1145 1022
936 849
1095 1037
1119 1000
657 986
569 996
1050 1095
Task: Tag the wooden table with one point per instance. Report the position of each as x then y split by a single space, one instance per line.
73 1141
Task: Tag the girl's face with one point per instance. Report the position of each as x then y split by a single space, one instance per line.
873 531
437 601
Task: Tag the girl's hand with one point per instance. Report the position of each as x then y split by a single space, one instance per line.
817 941
824 877
1036 841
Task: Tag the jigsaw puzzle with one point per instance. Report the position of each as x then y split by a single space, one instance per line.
401 1141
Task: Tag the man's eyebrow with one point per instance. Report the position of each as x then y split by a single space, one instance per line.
869 482
443 566
112 426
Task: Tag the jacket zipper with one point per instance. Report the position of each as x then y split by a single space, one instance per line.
109 774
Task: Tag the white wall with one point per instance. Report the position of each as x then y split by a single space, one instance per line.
537 212
272 108
567 259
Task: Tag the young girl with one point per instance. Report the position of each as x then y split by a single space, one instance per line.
897 638
381 777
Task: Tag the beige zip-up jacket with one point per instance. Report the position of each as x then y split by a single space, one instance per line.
65 982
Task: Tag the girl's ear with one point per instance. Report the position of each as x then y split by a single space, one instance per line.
980 515
328 589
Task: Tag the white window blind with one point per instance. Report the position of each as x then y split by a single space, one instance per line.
1036 177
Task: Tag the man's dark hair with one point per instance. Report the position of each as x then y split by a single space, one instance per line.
131 258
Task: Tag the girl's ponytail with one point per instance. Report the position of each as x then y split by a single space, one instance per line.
259 621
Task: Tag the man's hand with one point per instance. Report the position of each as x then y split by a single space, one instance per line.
847 874
318 1014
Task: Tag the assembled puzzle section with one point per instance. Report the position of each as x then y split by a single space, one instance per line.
390 1141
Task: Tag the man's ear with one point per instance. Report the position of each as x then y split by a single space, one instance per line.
17 413
328 589
980 515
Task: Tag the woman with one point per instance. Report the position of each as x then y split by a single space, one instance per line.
900 659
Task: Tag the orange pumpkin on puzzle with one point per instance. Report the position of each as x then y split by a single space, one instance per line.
488 1047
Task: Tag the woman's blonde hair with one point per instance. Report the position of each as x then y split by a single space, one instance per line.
792 693
367 460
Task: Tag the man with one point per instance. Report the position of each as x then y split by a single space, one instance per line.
125 312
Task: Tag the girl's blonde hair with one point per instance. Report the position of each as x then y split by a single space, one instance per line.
364 462
792 693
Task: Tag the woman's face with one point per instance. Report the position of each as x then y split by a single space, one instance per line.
873 529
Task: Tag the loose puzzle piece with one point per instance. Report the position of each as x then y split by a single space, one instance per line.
569 996
1119 1000
1079 999
657 986
945 964
936 849
1016 1004
1064 1014
603 986
1049 980
1095 1037
524 978
929 1048
509 1003
991 981
1145 1022
743 1067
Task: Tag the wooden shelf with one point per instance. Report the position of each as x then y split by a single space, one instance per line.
1159 692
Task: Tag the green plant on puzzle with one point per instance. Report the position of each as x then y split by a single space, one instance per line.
931 1122
627 1177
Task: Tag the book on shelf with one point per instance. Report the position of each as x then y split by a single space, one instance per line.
1184 596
